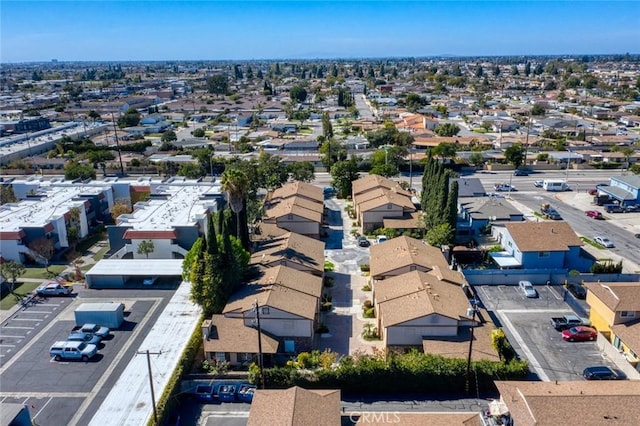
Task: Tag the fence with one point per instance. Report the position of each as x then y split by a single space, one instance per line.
539 276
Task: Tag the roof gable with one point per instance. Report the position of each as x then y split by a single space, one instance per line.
543 236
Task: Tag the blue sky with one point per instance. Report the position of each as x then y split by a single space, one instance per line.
172 30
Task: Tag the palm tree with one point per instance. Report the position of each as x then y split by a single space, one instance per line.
235 183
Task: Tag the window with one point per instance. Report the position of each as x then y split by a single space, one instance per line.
265 310
412 268
389 206
290 217
627 314
543 254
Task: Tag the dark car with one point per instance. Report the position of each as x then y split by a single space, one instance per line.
519 172
602 373
578 291
363 242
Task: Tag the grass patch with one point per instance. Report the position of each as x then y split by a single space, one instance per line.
84 245
305 131
592 243
479 130
100 254
42 273
12 298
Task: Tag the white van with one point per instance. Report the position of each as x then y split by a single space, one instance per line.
555 185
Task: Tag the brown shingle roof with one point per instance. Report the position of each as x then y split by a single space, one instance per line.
294 206
275 296
370 182
420 419
408 221
292 278
402 252
296 248
231 335
617 296
295 407
629 333
579 403
417 294
543 236
387 197
291 189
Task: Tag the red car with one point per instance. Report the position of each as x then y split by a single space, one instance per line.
579 334
594 214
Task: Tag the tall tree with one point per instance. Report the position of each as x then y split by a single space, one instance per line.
10 271
343 173
43 248
235 184
302 171
212 240
218 84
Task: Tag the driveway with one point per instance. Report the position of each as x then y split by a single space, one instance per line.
345 321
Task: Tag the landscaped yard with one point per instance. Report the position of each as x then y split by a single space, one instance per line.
21 289
42 272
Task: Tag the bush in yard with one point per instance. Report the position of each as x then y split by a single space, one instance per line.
369 313
367 304
328 266
366 287
365 267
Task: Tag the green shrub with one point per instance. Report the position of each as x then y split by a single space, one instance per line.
369 313
366 287
365 267
328 266
328 281
367 304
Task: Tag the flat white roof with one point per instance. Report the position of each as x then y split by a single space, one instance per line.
129 401
184 206
102 306
504 259
137 267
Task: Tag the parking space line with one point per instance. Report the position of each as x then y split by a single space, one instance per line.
43 407
532 360
2 345
26 319
16 326
4 336
37 312
43 395
555 293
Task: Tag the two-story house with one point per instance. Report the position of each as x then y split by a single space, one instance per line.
615 313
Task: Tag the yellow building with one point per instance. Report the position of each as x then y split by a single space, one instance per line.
615 312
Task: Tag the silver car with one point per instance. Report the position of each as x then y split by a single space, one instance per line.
603 241
527 289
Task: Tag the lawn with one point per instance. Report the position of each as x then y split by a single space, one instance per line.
100 254
42 272
21 289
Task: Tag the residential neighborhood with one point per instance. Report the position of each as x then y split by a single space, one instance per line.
288 241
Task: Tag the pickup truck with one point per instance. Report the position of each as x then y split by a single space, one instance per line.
72 350
568 321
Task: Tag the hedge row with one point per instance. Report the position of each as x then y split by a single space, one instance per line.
168 401
413 372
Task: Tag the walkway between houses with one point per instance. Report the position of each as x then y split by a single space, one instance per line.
345 320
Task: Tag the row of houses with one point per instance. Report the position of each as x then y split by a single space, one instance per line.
523 403
284 300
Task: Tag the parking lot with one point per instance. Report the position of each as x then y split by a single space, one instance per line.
527 324
69 392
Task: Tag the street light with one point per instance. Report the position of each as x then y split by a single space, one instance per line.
471 311
566 178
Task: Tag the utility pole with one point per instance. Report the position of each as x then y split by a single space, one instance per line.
153 396
115 133
260 359
471 311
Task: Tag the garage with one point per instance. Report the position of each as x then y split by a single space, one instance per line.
135 273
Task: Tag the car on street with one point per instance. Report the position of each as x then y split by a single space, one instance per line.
578 291
602 372
603 241
579 334
520 172
53 289
96 329
538 183
363 241
504 187
594 214
636 235
527 289
79 336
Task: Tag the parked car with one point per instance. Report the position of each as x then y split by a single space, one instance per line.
95 329
579 334
79 336
504 187
594 214
602 372
613 208
54 289
567 321
72 350
527 289
381 239
603 241
636 235
578 291
634 208
328 190
363 241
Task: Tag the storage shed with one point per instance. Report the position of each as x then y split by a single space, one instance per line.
107 314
